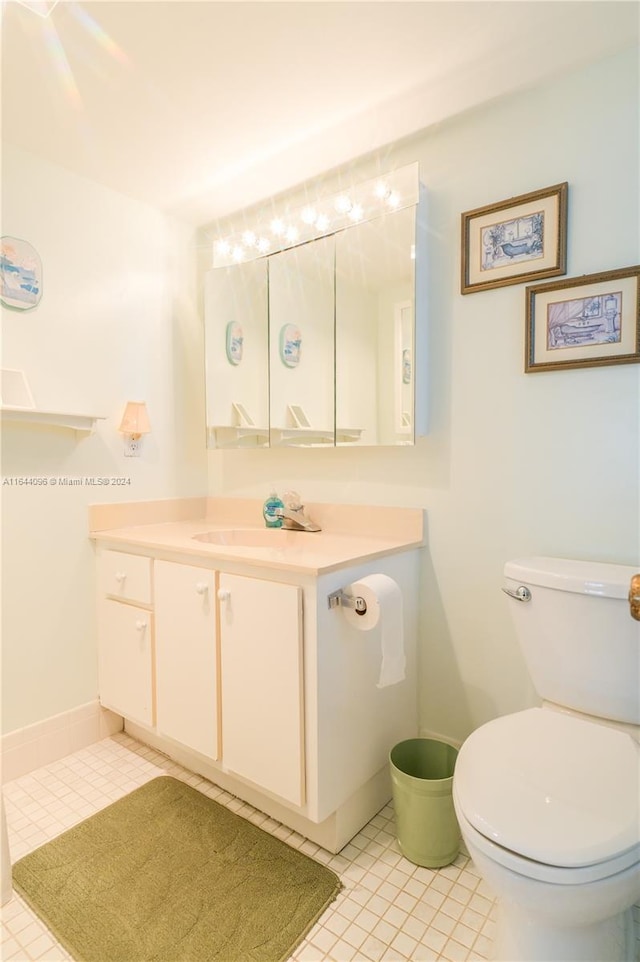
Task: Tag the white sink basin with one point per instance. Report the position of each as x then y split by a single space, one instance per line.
255 538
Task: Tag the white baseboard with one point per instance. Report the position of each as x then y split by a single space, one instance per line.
36 745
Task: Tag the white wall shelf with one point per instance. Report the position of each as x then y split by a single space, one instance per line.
301 436
315 436
345 435
80 423
231 436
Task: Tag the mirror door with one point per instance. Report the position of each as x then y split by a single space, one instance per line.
301 349
315 345
236 352
375 283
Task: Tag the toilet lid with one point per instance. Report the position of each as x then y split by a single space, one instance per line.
552 787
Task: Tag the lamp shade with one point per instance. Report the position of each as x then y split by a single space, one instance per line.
135 419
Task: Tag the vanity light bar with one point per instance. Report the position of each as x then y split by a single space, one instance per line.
327 215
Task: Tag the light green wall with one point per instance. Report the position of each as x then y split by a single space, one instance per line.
514 464
117 321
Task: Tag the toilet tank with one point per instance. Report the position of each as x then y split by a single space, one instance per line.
580 643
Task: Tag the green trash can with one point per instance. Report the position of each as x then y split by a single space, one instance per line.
422 780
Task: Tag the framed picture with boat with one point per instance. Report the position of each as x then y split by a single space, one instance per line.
584 321
520 239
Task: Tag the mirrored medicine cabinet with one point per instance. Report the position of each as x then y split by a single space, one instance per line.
321 344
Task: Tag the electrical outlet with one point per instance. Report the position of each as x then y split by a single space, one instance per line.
132 447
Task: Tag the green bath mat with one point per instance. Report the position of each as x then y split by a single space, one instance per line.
168 875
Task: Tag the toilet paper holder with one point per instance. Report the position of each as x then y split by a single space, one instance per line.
339 599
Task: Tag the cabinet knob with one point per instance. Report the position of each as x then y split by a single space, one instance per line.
202 587
140 624
223 594
120 576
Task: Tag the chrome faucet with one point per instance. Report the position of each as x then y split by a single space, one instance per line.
293 514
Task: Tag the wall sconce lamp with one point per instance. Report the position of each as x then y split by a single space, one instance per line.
135 423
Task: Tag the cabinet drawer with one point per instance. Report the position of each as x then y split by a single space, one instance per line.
125 576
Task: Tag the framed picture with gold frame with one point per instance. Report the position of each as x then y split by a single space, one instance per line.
520 239
584 321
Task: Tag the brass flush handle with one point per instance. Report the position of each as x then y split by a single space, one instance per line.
634 597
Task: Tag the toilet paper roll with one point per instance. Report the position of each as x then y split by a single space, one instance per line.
384 607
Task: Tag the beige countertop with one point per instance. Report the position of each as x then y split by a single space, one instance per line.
351 534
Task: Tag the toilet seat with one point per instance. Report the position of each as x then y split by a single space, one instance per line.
539 871
547 789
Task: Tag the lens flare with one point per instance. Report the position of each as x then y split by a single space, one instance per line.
55 47
42 7
97 32
60 62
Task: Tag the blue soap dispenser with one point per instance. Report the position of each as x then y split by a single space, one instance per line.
271 505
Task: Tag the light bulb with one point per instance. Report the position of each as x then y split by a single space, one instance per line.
238 253
292 234
393 199
248 238
322 222
381 190
356 212
343 204
308 215
223 247
263 244
277 226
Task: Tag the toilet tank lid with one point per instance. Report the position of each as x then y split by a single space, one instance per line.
583 577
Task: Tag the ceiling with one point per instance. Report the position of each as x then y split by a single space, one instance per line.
202 108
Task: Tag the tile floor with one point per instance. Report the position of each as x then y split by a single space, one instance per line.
389 910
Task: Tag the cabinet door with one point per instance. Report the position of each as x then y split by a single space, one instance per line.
186 656
261 673
125 660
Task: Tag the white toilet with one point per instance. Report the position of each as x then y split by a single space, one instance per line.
548 799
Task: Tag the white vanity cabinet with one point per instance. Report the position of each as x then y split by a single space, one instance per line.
213 662
233 659
125 635
187 702
262 684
